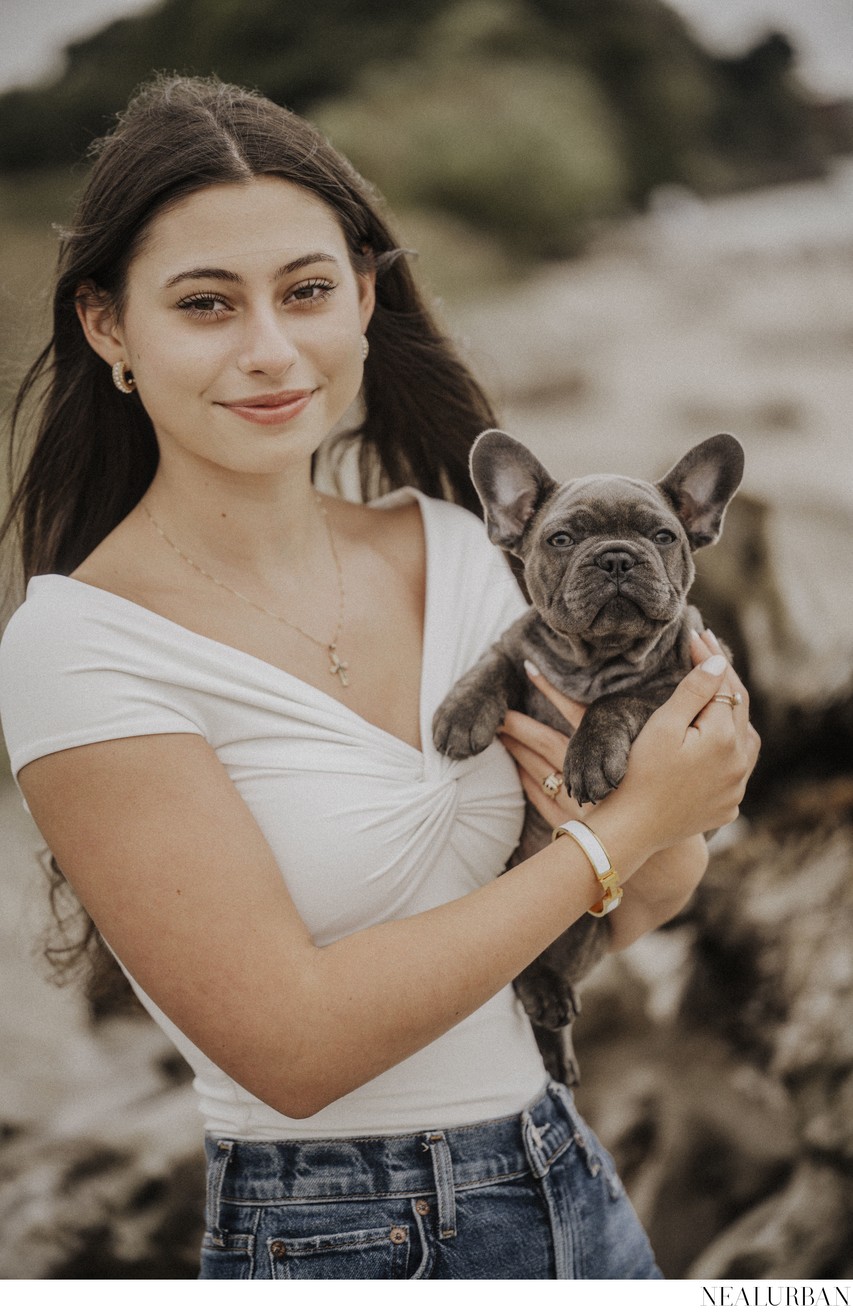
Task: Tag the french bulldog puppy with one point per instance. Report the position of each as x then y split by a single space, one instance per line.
608 564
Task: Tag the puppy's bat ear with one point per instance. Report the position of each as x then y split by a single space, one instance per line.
702 484
511 484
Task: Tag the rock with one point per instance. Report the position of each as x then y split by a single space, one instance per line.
122 1201
729 1108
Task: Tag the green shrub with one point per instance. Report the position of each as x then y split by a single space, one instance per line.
522 150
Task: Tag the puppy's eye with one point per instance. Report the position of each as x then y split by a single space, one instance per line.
664 538
560 540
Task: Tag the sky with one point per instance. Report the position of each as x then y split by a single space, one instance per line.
33 32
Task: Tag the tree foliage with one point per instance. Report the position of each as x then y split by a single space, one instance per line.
524 117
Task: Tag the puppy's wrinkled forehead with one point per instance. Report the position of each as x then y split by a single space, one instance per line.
608 504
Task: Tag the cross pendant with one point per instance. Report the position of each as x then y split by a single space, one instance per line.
337 666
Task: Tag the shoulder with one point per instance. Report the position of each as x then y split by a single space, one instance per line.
60 619
48 612
75 670
449 517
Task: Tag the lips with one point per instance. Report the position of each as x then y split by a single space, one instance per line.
271 407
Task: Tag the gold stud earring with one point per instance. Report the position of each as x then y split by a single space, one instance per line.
365 347
123 378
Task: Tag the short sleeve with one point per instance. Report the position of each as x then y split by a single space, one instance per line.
67 679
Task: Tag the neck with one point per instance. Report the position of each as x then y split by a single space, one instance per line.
588 664
263 527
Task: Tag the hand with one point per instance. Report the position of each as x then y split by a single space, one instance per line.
694 756
539 751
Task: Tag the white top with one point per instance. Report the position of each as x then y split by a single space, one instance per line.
365 828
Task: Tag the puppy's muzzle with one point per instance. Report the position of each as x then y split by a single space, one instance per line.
616 563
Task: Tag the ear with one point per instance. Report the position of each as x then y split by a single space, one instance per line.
702 484
98 321
366 296
511 484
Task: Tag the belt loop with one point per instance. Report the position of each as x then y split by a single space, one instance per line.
442 1165
533 1146
222 1150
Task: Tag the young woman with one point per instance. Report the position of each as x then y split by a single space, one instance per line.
217 699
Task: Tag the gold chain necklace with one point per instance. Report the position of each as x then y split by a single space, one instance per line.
336 665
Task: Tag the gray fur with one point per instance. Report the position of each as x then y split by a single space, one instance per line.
609 627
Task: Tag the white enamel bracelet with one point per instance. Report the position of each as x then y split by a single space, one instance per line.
600 862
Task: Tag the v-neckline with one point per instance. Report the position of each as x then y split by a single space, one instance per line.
424 720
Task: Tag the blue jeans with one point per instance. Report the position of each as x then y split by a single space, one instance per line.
529 1197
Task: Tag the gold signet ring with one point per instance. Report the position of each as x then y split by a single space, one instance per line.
552 783
731 699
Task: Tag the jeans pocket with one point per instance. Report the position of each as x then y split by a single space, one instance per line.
227 1257
376 1254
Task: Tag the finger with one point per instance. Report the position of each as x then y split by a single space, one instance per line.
699 648
569 709
554 810
538 737
537 766
733 687
696 691
705 644
549 808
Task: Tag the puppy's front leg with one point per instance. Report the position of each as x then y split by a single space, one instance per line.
597 756
468 718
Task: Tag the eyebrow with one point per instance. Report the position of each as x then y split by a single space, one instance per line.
227 275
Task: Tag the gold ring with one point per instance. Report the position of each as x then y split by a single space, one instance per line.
731 699
552 783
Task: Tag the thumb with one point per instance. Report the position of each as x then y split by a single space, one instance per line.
696 690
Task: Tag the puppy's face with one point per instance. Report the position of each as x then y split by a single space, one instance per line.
607 559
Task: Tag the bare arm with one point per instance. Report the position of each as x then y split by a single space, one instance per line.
172 867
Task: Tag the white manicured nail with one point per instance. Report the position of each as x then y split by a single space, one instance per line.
714 664
532 670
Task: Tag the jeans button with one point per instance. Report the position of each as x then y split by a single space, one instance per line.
398 1235
278 1248
422 1207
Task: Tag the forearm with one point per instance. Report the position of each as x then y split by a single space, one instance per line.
372 999
658 891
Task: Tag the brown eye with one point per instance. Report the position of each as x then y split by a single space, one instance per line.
664 538
560 540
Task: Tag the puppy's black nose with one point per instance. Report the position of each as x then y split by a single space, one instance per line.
616 563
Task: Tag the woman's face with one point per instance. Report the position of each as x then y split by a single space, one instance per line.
242 326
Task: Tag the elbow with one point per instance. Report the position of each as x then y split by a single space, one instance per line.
300 1094
297 1108
298 1100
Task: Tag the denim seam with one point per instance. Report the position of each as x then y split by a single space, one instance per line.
417 1191
362 1239
427 1248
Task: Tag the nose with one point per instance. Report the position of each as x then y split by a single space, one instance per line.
266 347
616 563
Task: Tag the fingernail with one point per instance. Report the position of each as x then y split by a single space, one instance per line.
709 633
532 670
714 665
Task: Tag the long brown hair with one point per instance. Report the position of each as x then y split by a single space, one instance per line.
94 451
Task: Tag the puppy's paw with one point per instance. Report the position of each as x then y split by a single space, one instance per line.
593 769
464 728
548 1000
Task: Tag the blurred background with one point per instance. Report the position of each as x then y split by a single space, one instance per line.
636 218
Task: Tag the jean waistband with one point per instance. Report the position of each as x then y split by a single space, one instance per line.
432 1162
